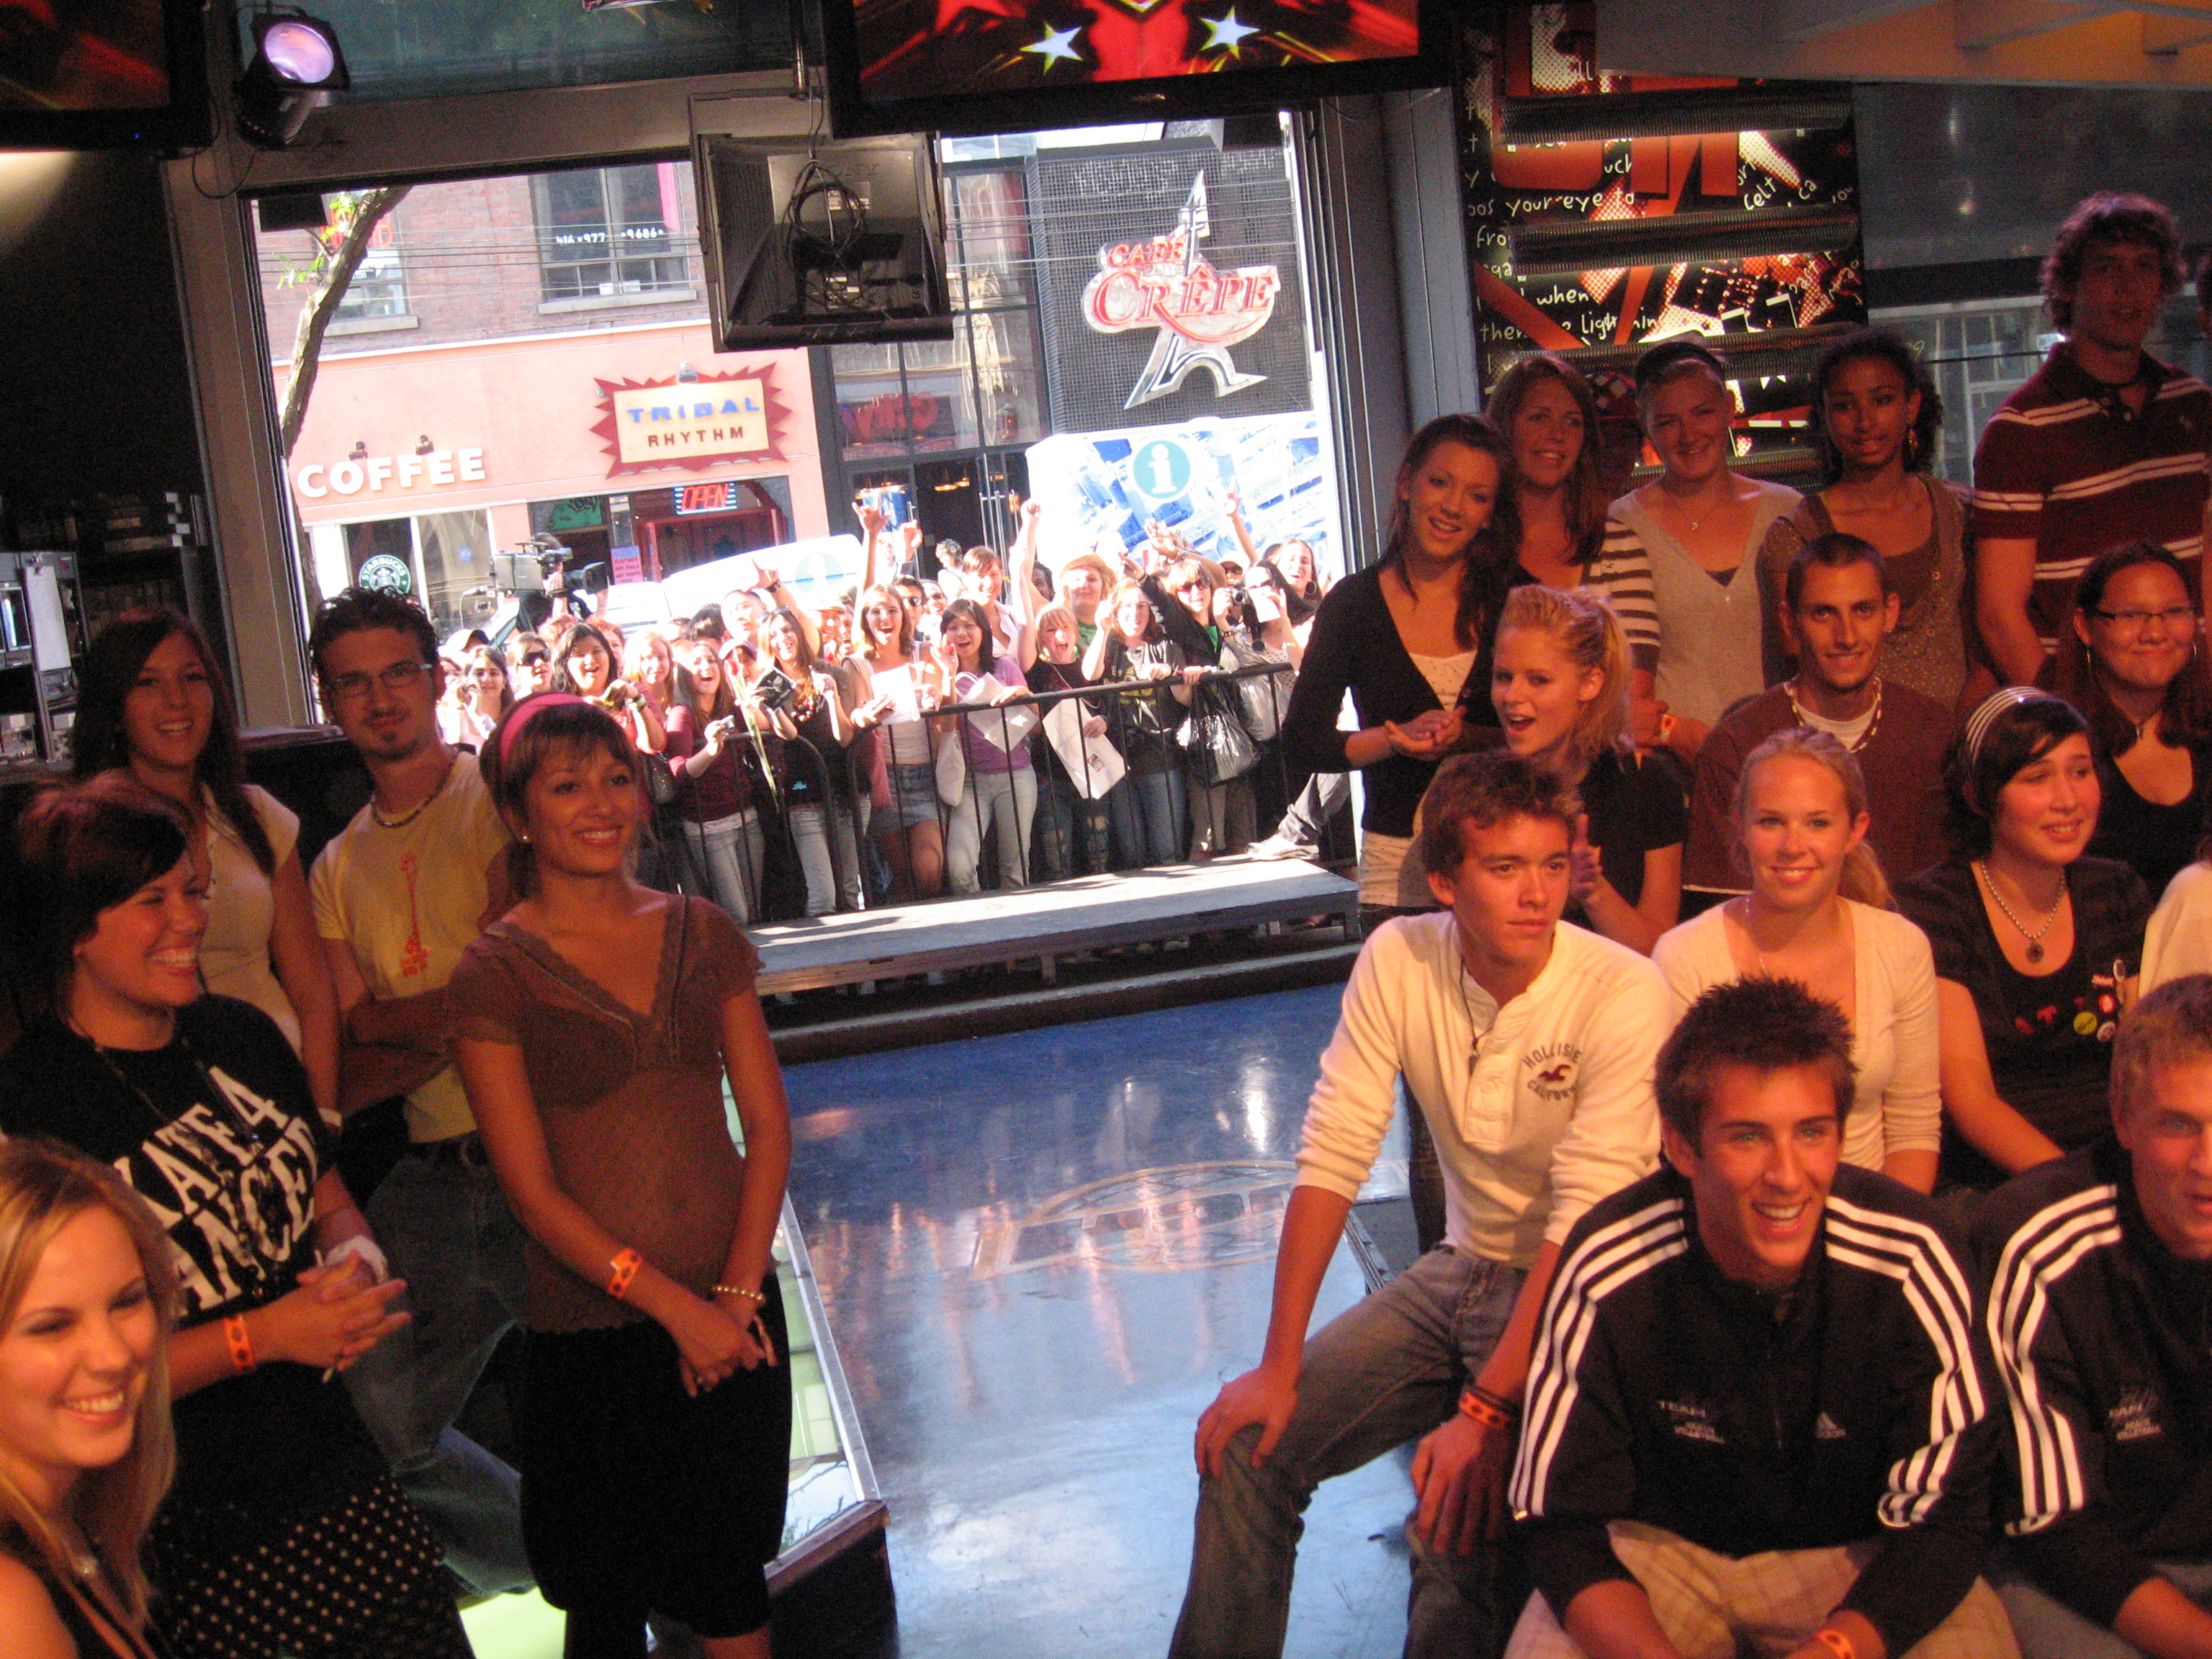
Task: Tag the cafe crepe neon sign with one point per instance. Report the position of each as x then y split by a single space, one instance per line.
1165 283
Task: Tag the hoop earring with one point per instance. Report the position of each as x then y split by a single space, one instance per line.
1911 445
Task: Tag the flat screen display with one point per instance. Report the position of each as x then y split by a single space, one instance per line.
1011 65
84 74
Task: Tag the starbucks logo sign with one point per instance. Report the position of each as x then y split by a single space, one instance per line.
386 573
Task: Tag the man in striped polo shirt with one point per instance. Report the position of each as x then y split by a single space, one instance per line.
1760 1416
2105 443
2097 1313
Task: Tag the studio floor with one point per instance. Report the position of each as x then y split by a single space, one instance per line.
1040 1254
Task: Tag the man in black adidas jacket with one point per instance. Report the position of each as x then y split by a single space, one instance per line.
1761 1411
2100 1316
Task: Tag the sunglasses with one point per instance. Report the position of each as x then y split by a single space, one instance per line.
535 658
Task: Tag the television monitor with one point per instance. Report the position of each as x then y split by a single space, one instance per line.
1020 65
827 243
103 75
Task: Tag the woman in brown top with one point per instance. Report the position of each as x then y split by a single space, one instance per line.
600 1019
1875 415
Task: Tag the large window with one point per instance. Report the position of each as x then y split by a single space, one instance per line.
610 231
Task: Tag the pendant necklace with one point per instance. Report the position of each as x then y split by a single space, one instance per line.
421 807
2035 939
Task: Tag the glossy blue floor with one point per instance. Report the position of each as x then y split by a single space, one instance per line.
1041 1253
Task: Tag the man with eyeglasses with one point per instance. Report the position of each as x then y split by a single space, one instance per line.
398 894
1528 1044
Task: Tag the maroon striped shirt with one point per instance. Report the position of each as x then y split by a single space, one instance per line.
2067 465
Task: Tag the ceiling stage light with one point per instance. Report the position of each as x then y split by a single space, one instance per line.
296 65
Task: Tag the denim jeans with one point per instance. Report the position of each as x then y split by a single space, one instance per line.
730 851
2049 1629
1003 802
1073 833
449 1234
1146 809
1383 1372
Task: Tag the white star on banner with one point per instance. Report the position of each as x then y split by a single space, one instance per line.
1227 32
1060 44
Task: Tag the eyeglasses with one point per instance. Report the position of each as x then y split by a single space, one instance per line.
351 687
2179 617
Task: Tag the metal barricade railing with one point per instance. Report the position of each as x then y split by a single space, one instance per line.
806 845
1041 818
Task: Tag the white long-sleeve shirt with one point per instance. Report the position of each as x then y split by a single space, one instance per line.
1539 1109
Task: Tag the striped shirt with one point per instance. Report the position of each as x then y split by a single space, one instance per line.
2067 465
1622 572
2098 1332
1860 1410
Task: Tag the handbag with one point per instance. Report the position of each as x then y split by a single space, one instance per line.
1263 696
1214 738
951 768
659 780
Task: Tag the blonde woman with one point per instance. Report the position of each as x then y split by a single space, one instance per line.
1559 681
88 1300
1818 912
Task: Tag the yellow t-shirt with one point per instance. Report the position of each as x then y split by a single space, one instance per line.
407 902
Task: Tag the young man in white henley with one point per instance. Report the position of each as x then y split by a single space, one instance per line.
1528 1045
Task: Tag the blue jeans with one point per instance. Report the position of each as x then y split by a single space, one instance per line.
449 1234
1383 1372
2048 1629
1147 811
1005 803
731 850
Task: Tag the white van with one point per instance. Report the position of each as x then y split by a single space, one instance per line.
815 572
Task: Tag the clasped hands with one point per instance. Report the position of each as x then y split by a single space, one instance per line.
1428 736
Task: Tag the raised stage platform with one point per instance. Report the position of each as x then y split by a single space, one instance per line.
1091 913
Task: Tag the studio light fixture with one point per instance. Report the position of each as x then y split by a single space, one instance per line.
296 65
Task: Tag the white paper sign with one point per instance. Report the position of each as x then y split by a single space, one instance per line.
1093 762
897 685
1003 726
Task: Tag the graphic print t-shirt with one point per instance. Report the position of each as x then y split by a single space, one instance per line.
226 1157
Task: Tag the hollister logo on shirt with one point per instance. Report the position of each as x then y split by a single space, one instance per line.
1552 1070
1691 1420
2136 1416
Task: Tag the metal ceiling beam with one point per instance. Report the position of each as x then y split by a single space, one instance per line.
1981 24
1809 20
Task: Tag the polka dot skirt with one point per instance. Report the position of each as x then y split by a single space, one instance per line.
361 1578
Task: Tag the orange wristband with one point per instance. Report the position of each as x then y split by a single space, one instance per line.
241 1342
625 1264
1835 1643
1473 1405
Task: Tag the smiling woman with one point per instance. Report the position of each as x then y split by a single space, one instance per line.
201 1105
1404 637
2036 945
86 1302
152 703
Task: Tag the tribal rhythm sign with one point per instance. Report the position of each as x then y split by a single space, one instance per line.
1167 285
702 422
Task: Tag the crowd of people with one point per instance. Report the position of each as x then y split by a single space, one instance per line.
1823 1274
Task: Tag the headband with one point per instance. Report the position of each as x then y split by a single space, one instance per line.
527 711
1978 722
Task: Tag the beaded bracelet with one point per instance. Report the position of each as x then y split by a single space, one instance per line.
1835 1643
241 1343
1473 1405
740 1289
625 1264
